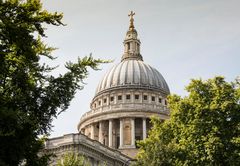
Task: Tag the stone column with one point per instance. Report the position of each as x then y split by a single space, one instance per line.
121 133
110 136
100 135
133 132
144 128
92 131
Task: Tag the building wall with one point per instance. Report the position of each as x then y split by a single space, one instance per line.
96 152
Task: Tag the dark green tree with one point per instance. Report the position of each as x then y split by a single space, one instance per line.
203 129
30 97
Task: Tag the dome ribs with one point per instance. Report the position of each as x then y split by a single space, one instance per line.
133 74
123 74
137 75
104 82
116 75
109 79
145 77
149 74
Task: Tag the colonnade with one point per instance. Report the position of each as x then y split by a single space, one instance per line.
122 126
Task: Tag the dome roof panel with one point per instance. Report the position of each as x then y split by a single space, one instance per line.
144 76
109 78
123 75
134 73
129 71
115 78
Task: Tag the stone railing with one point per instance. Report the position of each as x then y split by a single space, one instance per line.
127 106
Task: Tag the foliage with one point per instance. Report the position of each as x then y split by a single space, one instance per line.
203 129
29 96
71 159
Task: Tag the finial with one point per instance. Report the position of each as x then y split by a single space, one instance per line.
131 14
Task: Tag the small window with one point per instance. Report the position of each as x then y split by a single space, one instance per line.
153 98
128 97
160 100
145 97
165 102
104 100
99 102
119 97
136 97
128 46
112 98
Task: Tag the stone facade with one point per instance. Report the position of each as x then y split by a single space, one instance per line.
78 143
125 119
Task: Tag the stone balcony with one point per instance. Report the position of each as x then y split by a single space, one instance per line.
127 107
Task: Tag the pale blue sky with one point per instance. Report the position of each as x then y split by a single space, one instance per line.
183 39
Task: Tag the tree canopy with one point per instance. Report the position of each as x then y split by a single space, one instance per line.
76 159
72 159
30 97
203 129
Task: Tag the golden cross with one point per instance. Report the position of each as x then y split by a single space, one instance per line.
131 27
131 15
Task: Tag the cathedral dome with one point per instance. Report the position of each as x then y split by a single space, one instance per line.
132 73
127 96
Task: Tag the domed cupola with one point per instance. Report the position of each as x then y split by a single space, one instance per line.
131 42
132 72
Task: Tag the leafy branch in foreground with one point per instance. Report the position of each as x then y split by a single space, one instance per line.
29 96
